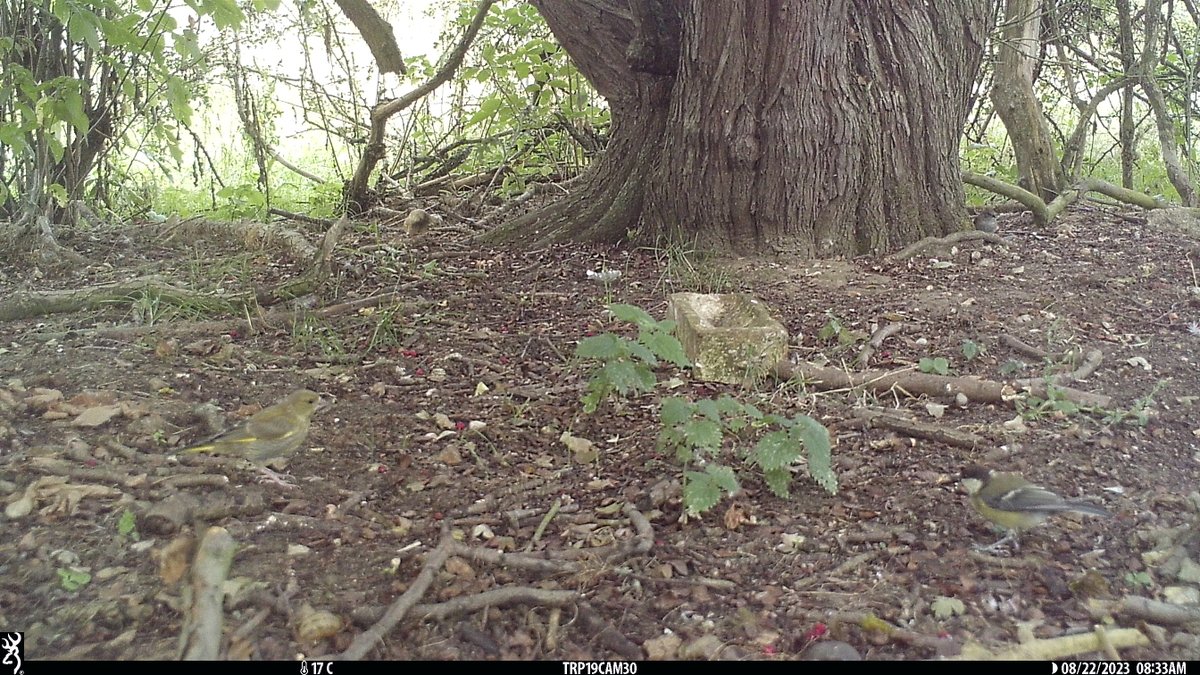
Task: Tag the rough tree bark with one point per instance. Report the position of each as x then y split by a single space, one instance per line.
786 126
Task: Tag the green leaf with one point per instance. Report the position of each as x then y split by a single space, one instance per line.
72 579
604 347
487 108
632 314
127 524
225 13
830 330
675 410
709 409
57 151
703 433
944 608
970 349
187 45
1011 367
642 353
723 476
59 193
775 450
815 438
666 346
84 27
934 365
72 110
778 481
597 391
179 98
700 492
627 377
729 406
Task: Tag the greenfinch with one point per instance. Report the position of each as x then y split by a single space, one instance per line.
268 435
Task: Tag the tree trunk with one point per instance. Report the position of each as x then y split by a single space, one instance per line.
1128 63
812 129
1017 104
1158 105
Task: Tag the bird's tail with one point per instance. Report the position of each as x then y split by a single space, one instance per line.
1085 507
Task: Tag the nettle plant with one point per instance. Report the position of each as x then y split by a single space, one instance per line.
697 432
627 366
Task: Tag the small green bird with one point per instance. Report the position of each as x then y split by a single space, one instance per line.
270 434
1015 504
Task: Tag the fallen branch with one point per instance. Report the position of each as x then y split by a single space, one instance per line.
608 635
869 622
867 418
938 386
499 597
1023 348
1154 611
1054 649
200 639
30 304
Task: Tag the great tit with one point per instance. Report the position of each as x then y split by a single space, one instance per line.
1015 504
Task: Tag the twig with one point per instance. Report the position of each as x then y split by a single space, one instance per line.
366 642
868 350
608 635
541 528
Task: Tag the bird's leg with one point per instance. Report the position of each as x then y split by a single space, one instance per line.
1010 537
272 477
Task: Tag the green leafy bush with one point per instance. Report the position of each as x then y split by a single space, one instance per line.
626 365
696 432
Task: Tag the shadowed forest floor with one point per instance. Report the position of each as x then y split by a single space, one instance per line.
94 415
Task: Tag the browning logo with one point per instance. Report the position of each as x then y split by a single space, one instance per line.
12 645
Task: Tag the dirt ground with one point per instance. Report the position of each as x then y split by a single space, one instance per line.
94 406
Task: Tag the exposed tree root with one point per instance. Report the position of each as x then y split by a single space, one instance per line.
160 291
266 236
32 233
31 304
1158 612
1044 213
944 244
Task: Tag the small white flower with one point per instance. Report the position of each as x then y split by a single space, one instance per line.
1194 328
